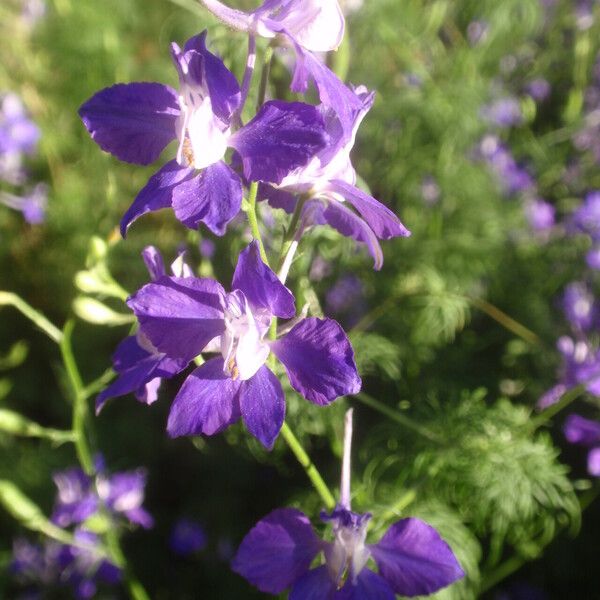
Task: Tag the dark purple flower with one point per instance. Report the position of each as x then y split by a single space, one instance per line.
187 537
538 89
540 215
505 112
136 121
580 306
139 365
412 558
316 25
32 204
183 317
77 498
585 432
328 181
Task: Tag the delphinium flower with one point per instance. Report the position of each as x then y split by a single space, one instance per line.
184 316
586 217
540 215
346 298
538 89
580 306
136 121
277 554
327 185
504 112
32 204
139 365
187 537
585 432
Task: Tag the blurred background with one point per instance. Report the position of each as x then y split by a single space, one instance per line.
484 139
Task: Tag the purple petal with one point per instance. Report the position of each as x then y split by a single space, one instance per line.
263 406
187 537
132 121
281 137
315 585
579 430
260 285
207 402
349 224
213 197
140 516
414 559
179 315
154 262
136 368
157 193
277 551
380 219
368 586
319 360
593 462
277 198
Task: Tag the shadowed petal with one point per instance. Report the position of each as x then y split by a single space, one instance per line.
414 559
368 586
260 285
207 402
179 315
212 197
319 360
277 198
157 193
263 406
380 219
281 137
154 262
132 121
315 585
277 551
579 430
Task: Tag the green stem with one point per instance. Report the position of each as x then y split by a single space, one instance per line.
567 398
80 410
253 220
398 417
10 299
311 471
264 77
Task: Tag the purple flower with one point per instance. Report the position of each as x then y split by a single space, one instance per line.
139 365
582 431
183 317
328 181
136 121
207 248
411 557
592 258
33 204
18 133
579 306
540 215
187 537
477 31
316 25
505 112
587 217
538 89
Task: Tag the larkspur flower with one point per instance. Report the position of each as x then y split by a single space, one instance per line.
139 365
585 432
411 557
32 204
183 317
316 25
592 258
327 185
579 306
586 217
187 537
540 215
539 89
136 121
504 112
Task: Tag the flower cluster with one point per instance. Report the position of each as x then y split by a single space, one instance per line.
81 503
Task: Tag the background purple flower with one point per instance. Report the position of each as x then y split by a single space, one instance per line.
585 432
187 537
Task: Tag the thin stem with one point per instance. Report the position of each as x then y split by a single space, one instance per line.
565 400
345 500
253 220
504 320
80 410
10 299
309 468
398 417
264 77
248 72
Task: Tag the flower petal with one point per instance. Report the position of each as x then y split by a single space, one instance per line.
579 430
179 315
154 262
319 360
593 462
213 197
277 551
380 219
260 285
207 402
263 406
315 585
414 559
281 137
132 121
368 586
277 198
157 193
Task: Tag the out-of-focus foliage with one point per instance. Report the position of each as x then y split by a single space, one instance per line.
430 330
